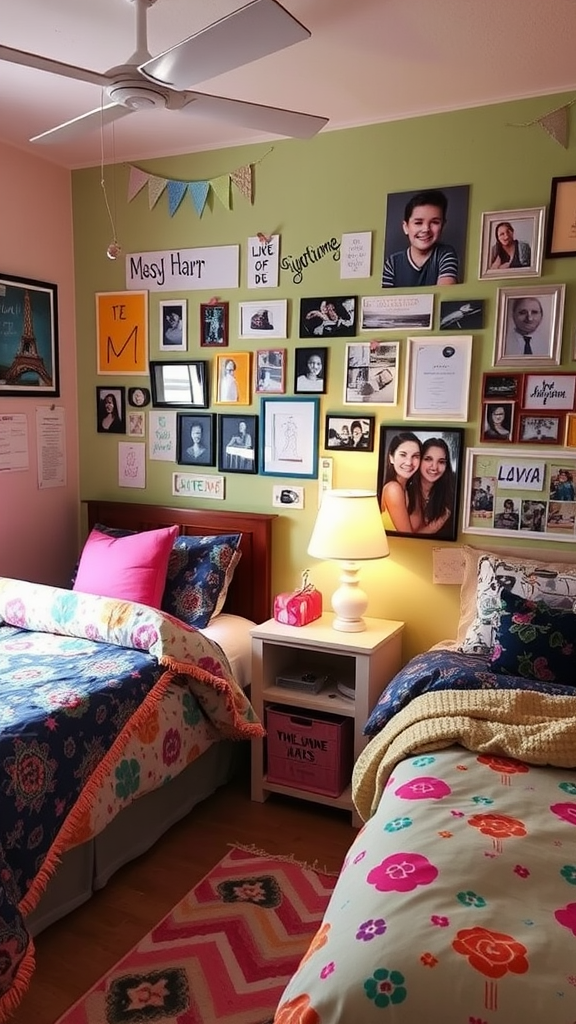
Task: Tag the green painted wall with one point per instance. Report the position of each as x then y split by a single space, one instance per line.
308 192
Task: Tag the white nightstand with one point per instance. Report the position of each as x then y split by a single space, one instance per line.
367 661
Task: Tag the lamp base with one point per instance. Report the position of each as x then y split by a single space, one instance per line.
349 601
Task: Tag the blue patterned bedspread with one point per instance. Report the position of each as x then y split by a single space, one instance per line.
447 670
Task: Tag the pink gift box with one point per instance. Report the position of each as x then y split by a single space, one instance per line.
299 607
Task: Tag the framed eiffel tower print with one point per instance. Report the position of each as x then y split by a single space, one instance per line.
28 337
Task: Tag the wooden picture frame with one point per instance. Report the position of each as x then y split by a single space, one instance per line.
371 373
270 371
529 314
232 379
237 443
179 384
438 378
195 437
512 243
561 237
29 361
349 433
214 324
544 428
173 330
549 391
289 436
498 421
502 386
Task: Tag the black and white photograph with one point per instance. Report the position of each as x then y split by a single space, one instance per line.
512 243
138 397
310 370
467 314
237 444
498 421
419 474
529 325
173 333
396 312
195 437
371 373
425 237
349 433
270 371
544 429
213 324
333 317
502 385
263 319
111 410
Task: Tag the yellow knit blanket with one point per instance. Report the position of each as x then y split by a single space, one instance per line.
532 727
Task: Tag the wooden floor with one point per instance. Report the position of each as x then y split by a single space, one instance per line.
75 952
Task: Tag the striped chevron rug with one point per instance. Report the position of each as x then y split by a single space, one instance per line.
223 955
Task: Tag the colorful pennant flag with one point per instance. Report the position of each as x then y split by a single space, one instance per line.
199 193
176 193
156 187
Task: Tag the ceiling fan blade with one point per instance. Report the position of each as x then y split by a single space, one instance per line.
85 123
55 67
259 28
275 120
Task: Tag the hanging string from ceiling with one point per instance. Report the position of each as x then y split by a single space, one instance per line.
114 249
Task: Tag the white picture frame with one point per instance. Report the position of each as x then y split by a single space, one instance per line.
396 312
173 326
437 379
371 372
525 236
264 319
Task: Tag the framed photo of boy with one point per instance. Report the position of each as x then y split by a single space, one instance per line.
349 433
310 370
213 324
173 334
270 371
529 325
512 243
195 439
419 472
425 238
237 443
333 317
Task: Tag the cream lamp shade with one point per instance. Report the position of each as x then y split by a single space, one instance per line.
349 530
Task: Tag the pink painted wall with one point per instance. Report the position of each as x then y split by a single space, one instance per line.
39 527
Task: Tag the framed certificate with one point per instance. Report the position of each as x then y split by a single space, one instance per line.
438 378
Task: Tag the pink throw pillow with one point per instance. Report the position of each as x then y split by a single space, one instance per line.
131 568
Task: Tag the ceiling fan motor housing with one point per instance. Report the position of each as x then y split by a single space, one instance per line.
136 94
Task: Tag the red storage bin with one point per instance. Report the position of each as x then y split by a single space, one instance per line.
309 751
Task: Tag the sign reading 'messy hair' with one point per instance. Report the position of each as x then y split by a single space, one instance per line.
184 269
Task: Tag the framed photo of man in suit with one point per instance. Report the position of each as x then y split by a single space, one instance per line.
529 326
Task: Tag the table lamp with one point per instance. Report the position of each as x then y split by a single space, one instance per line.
349 530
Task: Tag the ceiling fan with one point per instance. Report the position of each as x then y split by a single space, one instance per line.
143 82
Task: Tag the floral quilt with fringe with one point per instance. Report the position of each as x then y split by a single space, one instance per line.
82 677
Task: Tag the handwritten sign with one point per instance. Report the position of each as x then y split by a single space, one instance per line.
162 436
356 254
263 261
131 465
192 485
122 332
171 270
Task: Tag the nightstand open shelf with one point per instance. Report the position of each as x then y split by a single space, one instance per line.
367 661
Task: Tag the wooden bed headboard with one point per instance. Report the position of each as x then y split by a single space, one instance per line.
250 592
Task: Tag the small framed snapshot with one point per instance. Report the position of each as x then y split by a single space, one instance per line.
138 397
529 325
502 386
418 487
310 370
497 421
233 379
237 443
547 429
173 329
438 378
560 236
349 433
213 324
468 314
195 439
289 436
512 243
549 391
371 374
136 423
333 317
396 312
111 410
183 384
270 371
264 319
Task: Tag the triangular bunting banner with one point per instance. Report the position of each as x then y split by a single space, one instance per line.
156 187
199 193
176 193
221 186
556 124
242 178
137 181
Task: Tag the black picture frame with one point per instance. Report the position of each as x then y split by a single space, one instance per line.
206 447
29 360
115 397
416 502
182 384
303 383
214 324
349 433
467 314
237 443
328 316
560 241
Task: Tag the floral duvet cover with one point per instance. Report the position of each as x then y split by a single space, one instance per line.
83 680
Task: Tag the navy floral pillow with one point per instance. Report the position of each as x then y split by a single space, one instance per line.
535 641
200 570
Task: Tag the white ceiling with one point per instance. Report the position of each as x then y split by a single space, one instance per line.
367 61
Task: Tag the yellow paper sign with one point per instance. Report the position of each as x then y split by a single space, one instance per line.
122 332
